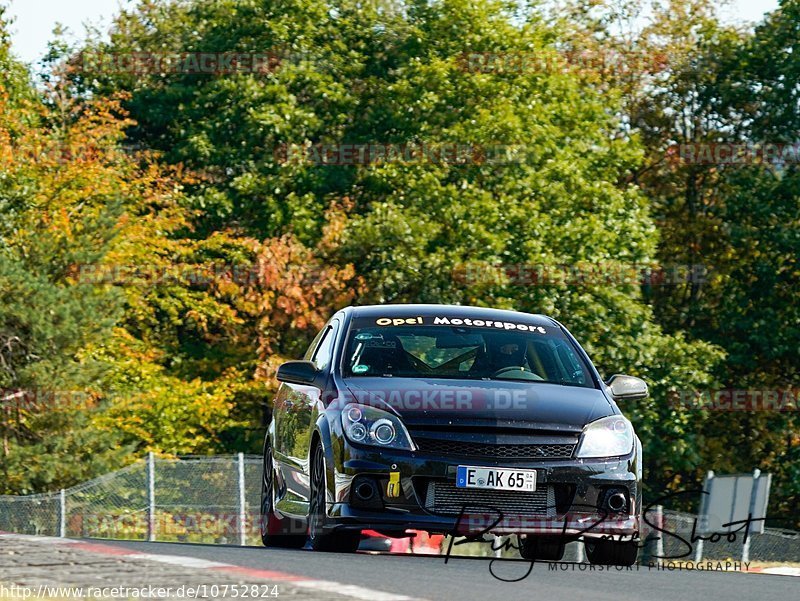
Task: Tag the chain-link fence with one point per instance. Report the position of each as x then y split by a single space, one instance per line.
217 500
191 499
679 538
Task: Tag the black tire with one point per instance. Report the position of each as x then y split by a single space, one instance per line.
318 538
611 552
275 532
546 548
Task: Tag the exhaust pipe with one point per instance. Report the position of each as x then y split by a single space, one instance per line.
617 501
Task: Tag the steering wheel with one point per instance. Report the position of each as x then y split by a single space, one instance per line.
523 375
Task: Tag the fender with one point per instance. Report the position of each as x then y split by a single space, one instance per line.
279 476
269 435
323 432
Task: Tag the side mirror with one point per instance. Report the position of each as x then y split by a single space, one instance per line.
297 372
628 388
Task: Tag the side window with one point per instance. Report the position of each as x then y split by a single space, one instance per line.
324 353
314 344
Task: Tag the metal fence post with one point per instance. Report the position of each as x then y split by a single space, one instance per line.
748 534
698 552
151 497
241 504
62 526
660 541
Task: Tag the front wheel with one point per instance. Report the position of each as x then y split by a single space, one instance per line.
319 540
611 552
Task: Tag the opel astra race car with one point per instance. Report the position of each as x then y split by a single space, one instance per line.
451 420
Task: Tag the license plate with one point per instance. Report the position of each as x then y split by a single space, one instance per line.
495 478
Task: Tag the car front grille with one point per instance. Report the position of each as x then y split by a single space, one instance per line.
443 497
495 451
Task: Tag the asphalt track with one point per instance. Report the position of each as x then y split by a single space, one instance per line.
462 578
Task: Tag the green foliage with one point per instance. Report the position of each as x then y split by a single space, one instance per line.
740 220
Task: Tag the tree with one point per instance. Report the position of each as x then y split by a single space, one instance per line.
53 216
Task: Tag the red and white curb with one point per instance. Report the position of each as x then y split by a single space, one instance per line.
782 571
328 586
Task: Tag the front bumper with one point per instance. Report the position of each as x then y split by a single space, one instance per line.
571 499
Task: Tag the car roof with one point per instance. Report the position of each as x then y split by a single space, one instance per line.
461 311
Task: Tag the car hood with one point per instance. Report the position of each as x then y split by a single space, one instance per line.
480 403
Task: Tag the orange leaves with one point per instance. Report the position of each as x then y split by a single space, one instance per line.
63 163
297 291
292 285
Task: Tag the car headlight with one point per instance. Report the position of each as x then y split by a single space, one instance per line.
367 425
607 437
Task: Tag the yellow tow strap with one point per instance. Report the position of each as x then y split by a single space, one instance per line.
393 488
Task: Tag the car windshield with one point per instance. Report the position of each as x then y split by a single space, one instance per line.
467 350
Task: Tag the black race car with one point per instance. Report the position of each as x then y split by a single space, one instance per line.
454 420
